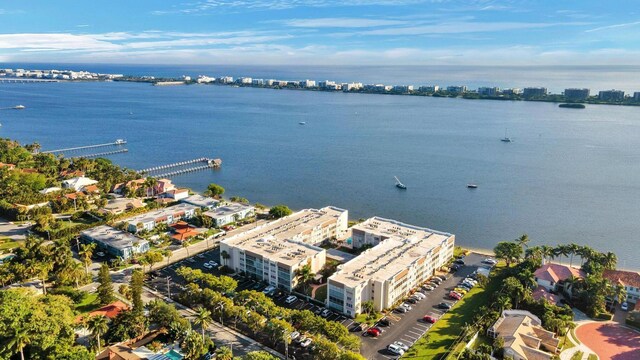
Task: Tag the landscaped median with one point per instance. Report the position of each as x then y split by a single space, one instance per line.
437 342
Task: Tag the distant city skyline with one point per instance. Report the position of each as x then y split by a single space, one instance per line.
327 32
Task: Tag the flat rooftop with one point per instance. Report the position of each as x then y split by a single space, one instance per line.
199 200
228 209
288 227
405 244
113 237
160 213
286 252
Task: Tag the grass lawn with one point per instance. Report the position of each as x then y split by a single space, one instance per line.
321 293
363 319
445 331
88 304
577 355
592 357
8 244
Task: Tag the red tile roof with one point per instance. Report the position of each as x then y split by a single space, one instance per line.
626 278
541 293
111 310
182 231
556 272
91 189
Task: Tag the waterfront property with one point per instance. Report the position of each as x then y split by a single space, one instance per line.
116 242
168 215
576 94
524 337
271 259
203 202
120 205
78 183
230 213
402 257
177 194
553 277
611 95
629 279
534 92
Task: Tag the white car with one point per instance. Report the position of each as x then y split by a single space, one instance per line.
212 263
489 261
294 335
406 306
420 295
401 345
395 349
100 253
268 289
291 299
624 306
207 266
306 342
325 313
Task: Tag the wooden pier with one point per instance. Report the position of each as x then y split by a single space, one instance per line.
12 80
78 148
103 153
157 171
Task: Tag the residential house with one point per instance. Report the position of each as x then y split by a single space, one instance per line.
120 205
524 337
78 183
183 231
629 279
557 278
542 293
177 194
168 215
204 202
7 166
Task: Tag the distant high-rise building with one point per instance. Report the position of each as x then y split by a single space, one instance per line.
457 89
403 88
532 92
512 91
611 95
429 89
308 83
636 96
576 94
488 91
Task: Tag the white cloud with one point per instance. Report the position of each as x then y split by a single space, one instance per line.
465 27
342 23
615 26
48 42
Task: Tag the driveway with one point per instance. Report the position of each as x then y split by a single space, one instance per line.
409 327
12 231
610 341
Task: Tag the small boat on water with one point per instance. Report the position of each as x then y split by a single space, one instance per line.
120 142
506 138
399 184
472 186
19 107
302 123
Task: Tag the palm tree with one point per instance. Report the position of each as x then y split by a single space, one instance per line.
203 318
504 303
304 275
168 253
20 339
609 260
572 249
43 269
224 255
86 252
523 240
547 253
98 326
528 279
620 293
185 244
224 353
74 271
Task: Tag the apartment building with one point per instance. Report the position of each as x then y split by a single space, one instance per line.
168 215
230 213
402 256
576 94
611 95
116 242
489 91
271 259
533 92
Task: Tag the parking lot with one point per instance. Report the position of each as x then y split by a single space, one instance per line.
410 326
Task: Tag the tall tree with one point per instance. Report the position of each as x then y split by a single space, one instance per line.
214 190
86 252
105 287
137 280
304 275
279 211
510 252
523 240
18 340
203 319
224 353
98 326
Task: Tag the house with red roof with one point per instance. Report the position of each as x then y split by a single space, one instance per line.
541 293
554 277
183 231
8 166
110 311
629 279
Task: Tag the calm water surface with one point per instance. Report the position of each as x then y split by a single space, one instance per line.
570 175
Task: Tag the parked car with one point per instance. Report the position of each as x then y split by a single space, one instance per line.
300 339
269 289
325 313
436 280
459 262
406 306
374 331
401 309
401 345
454 296
291 299
384 322
100 254
411 300
306 342
455 268
318 311
356 327
207 266
395 349
460 290
420 295
441 277
428 287
489 261
294 335
624 306
444 306
429 319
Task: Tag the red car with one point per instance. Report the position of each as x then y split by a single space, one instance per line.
373 332
454 296
429 319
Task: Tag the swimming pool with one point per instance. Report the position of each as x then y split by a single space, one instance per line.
173 355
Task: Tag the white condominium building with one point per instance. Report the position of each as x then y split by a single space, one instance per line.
271 259
402 257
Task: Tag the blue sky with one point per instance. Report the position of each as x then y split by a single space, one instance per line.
347 32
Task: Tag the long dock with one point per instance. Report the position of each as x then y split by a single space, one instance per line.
104 153
24 81
209 164
77 148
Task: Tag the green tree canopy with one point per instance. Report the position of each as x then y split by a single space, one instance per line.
279 211
214 190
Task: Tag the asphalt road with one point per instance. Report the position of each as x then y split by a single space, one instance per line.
409 327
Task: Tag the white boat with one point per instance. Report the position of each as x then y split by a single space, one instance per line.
399 184
120 142
302 123
19 107
472 186
506 138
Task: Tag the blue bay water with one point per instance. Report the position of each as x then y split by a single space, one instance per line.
569 176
